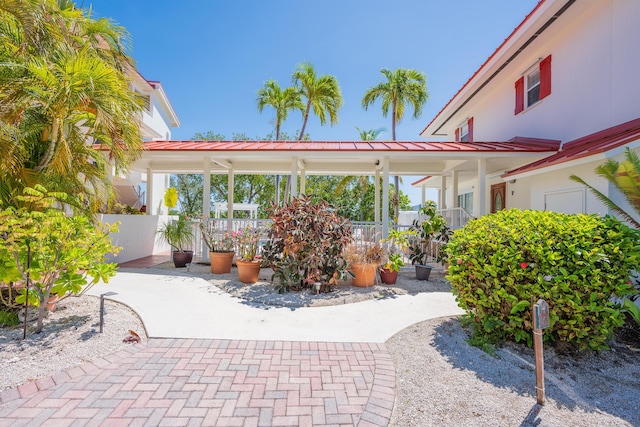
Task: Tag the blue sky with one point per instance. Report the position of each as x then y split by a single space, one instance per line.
212 56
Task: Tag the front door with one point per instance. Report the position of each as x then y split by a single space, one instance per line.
498 197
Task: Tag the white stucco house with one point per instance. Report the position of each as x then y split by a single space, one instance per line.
137 233
567 72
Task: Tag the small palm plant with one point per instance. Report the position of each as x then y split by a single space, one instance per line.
625 176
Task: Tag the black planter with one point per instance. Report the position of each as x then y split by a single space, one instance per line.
181 259
423 272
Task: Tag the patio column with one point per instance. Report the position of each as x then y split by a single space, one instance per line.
206 203
149 191
442 203
303 181
454 189
385 197
423 194
376 202
230 197
479 205
294 178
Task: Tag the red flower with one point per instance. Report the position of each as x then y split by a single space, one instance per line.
524 265
459 261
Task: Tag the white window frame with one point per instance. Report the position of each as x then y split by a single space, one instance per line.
528 89
463 132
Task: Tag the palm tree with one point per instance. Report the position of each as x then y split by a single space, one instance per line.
321 92
625 176
63 83
282 101
402 87
360 181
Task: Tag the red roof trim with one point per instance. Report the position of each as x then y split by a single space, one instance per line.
586 146
518 144
484 64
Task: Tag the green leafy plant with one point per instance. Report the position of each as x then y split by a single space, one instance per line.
632 309
305 246
217 240
51 253
177 234
8 318
394 262
431 227
501 263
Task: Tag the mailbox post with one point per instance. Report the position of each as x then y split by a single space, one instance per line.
540 322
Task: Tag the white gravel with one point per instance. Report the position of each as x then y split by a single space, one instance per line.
70 338
443 381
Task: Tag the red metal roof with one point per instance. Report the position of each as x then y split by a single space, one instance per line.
515 145
589 145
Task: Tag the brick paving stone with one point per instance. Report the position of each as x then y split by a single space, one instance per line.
215 382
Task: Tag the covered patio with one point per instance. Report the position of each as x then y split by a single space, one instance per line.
450 162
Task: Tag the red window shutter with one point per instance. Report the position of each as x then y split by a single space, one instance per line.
519 95
470 126
545 77
457 134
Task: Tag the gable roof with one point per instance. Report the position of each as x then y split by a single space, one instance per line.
590 145
543 15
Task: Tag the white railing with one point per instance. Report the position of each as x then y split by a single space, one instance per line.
456 217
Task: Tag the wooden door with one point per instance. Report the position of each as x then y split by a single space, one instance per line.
498 197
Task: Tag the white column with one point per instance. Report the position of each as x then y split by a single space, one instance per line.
385 197
376 203
479 195
206 203
294 178
454 189
423 194
303 181
230 184
442 204
150 208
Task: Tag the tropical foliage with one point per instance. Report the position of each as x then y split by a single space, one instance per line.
62 83
49 253
625 176
500 264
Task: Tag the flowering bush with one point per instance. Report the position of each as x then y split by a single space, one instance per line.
506 261
216 240
248 242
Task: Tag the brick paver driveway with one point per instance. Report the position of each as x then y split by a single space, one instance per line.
215 382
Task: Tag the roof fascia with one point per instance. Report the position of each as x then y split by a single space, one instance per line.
166 104
538 20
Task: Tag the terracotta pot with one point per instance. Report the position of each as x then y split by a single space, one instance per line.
423 272
365 274
52 303
248 271
221 262
387 276
181 259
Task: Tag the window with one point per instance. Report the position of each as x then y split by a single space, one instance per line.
534 86
464 132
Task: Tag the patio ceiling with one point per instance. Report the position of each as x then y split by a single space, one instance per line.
340 158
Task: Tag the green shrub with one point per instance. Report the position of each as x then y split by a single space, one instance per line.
501 263
8 318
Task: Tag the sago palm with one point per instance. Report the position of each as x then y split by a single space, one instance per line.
402 87
625 176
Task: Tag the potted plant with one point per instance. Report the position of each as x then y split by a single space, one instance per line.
305 246
364 262
221 246
431 227
389 271
178 234
248 241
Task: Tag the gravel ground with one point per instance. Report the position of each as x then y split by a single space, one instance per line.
70 338
441 380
